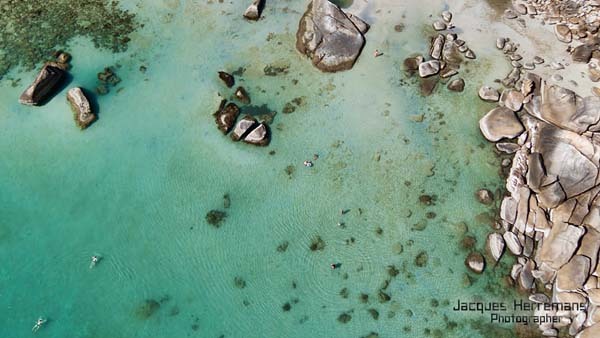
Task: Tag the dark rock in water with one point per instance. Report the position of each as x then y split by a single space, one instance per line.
457 85
242 95
226 117
317 244
243 127
226 201
364 298
109 76
411 64
374 313
44 84
215 217
383 297
254 10
147 309
344 293
371 335
428 85
227 79
259 136
330 37
344 318
272 70
239 282
102 89
81 107
421 259
286 307
392 271
283 246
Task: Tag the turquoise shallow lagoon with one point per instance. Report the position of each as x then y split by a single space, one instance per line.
136 186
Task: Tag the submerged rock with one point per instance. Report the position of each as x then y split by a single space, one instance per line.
215 217
81 107
147 309
43 86
489 94
317 244
330 37
253 11
485 196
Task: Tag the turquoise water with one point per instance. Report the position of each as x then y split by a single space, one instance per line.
136 186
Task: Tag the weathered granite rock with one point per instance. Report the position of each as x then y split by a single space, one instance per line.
429 68
44 84
330 37
512 99
495 245
489 94
447 16
500 42
259 136
226 117
563 33
512 242
590 332
254 10
583 53
573 275
560 245
439 25
456 85
243 127
500 123
436 47
508 209
484 196
565 109
81 107
227 78
507 147
242 95
470 54
475 262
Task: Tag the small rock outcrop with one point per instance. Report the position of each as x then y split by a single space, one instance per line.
226 116
81 107
332 39
44 84
227 78
246 124
500 123
259 136
254 10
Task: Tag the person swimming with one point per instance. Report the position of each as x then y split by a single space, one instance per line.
308 163
95 260
38 324
335 266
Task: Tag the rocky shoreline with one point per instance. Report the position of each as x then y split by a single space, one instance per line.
550 217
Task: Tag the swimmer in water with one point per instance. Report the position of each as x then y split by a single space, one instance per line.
38 324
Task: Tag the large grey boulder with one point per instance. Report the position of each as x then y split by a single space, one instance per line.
226 116
259 136
500 123
44 84
242 128
254 10
81 107
331 38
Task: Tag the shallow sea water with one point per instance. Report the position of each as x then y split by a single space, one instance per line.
136 186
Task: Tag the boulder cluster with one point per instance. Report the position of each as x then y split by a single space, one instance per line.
331 38
248 129
576 23
446 53
48 82
550 219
